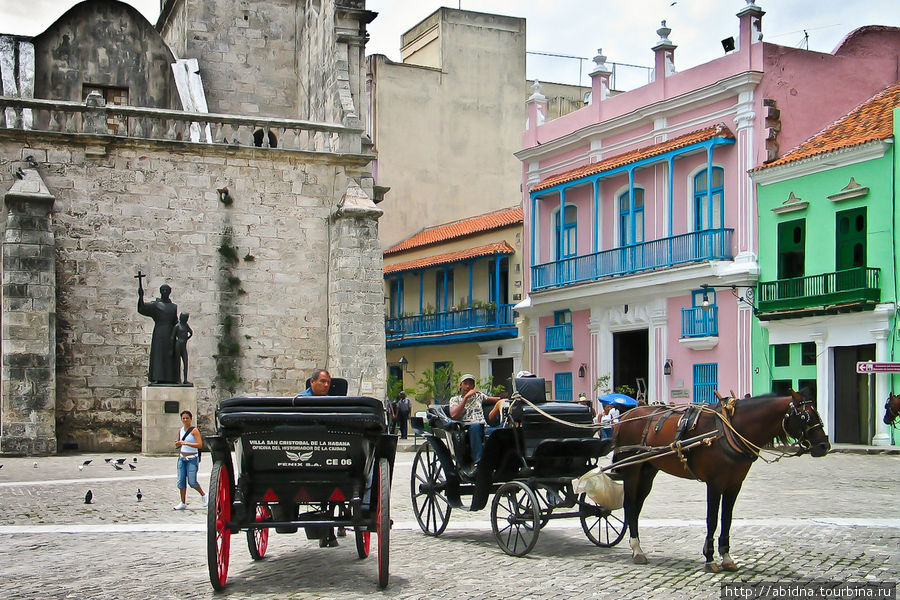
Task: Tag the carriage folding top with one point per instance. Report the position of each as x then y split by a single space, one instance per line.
528 464
310 462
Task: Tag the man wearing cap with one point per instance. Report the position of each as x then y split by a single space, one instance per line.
467 408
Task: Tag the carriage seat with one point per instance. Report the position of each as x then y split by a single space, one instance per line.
349 412
537 428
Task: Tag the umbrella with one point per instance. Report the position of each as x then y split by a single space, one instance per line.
620 400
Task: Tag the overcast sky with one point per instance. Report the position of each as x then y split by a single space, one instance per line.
625 29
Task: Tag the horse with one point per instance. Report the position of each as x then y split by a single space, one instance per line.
892 409
724 449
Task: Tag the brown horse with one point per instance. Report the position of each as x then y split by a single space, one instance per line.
733 431
892 409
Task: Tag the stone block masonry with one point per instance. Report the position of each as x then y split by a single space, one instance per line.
154 207
27 400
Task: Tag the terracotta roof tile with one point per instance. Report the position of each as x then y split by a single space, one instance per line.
458 229
701 135
872 120
450 257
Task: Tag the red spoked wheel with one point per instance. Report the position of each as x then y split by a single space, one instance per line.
383 521
258 539
218 536
363 539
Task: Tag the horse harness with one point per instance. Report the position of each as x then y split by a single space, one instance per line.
733 444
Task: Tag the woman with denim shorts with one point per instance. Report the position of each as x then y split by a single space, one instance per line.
188 459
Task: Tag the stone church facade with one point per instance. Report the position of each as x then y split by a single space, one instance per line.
221 152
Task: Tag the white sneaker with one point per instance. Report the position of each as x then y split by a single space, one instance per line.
180 506
205 500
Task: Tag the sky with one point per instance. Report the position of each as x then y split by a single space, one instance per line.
624 29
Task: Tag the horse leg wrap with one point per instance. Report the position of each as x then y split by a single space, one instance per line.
637 555
708 550
728 563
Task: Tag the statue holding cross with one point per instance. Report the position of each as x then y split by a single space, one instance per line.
164 312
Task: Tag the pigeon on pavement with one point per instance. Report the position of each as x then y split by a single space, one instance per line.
107 459
118 468
35 465
88 497
120 460
81 467
132 466
87 462
139 495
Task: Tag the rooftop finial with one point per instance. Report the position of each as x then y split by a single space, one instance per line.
663 33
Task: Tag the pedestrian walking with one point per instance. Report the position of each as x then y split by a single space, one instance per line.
403 408
189 443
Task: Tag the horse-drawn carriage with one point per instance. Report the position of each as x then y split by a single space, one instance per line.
310 462
529 466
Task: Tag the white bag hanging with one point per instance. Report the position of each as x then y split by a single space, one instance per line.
601 489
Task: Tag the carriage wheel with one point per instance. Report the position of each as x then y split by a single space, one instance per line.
602 526
258 539
515 518
218 536
427 485
383 521
362 543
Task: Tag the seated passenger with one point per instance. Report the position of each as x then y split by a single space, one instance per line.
319 384
467 407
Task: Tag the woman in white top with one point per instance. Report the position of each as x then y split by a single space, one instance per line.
189 443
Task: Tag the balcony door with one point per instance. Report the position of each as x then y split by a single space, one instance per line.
566 244
791 258
850 247
708 210
631 230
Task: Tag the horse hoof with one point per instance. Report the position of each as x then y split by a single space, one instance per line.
711 567
639 559
729 566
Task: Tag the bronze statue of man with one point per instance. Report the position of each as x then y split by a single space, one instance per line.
164 312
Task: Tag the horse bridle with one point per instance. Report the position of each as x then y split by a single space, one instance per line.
805 424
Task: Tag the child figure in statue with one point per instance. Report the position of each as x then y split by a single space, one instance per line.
181 333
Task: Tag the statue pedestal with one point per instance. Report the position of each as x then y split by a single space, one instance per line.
161 406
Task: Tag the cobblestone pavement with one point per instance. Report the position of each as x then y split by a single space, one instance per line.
834 518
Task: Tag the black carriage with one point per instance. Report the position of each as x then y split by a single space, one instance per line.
529 465
305 462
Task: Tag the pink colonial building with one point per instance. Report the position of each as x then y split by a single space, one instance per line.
640 217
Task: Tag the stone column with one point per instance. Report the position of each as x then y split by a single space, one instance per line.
28 398
356 295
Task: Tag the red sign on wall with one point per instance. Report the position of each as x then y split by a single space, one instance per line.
877 367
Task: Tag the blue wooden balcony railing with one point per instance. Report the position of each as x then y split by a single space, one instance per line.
696 322
860 284
710 244
558 337
450 321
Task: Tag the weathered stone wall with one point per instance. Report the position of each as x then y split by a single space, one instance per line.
104 43
259 302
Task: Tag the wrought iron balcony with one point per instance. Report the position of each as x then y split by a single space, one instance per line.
709 244
858 287
558 337
450 322
696 322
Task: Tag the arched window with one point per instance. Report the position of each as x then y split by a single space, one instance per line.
709 207
566 237
631 218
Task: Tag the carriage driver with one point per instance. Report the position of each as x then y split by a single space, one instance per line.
467 408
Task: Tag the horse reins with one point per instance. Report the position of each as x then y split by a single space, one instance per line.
678 446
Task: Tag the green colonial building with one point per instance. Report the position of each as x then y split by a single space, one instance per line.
828 256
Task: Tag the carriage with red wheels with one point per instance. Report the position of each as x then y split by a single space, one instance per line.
305 462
